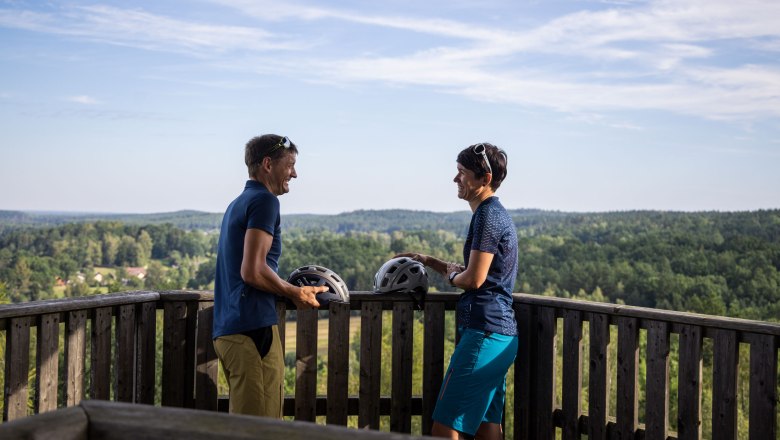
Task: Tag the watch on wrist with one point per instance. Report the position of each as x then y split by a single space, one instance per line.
452 276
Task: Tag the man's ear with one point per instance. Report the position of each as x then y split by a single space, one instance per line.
266 163
488 178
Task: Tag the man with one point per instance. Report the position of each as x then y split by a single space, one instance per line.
246 336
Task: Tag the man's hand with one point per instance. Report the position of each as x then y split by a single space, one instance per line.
306 298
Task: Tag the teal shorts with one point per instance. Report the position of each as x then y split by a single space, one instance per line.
475 384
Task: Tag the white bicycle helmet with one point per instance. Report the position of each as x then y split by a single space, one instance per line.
401 274
313 275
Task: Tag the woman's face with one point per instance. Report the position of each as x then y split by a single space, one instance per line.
469 186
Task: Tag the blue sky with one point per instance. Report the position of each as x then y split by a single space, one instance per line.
601 105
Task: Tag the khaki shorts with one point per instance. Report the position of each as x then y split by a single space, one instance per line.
256 384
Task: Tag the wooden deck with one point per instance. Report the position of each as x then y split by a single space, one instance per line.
107 344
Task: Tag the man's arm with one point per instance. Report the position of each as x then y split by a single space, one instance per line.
256 273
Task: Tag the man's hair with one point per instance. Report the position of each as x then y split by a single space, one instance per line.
260 147
474 162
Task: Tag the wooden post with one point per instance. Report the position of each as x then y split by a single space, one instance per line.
657 380
174 357
125 354
338 364
724 385
306 366
627 384
433 361
17 364
689 383
599 375
370 364
572 374
545 369
47 362
763 392
401 394
75 356
100 374
146 353
206 363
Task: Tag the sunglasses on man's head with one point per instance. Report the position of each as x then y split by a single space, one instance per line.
479 150
284 142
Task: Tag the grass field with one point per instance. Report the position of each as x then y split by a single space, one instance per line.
322 334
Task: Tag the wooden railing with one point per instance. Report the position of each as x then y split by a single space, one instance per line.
104 347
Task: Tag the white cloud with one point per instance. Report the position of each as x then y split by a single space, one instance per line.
83 99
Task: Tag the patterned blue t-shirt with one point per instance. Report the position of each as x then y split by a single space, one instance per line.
489 308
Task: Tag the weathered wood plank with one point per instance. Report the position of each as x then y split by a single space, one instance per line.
401 394
689 384
571 394
763 392
64 424
17 364
547 330
525 373
338 364
47 361
724 385
100 354
120 421
146 353
370 364
599 377
74 304
657 381
306 365
206 363
189 354
433 361
626 411
75 356
124 370
174 353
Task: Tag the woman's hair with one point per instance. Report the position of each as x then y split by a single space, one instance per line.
474 161
267 145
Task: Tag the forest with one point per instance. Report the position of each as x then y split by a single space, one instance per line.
721 263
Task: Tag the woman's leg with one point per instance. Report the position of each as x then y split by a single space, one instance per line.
489 431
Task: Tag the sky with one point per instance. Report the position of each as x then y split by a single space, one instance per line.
145 107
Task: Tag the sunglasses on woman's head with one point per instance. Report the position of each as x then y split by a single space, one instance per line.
479 150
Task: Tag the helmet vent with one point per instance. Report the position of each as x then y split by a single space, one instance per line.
391 269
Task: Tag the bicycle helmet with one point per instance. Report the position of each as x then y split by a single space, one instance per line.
401 274
313 275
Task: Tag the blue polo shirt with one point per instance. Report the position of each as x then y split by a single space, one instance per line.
489 308
239 307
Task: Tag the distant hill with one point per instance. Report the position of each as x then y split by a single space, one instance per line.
182 219
530 221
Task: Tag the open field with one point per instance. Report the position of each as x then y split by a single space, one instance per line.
322 334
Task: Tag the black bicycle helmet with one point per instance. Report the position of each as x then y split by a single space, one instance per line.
313 275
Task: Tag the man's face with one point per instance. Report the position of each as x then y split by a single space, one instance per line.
282 170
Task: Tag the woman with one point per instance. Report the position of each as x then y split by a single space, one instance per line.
471 400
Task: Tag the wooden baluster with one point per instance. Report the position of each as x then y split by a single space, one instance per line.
338 364
100 374
599 375
627 383
75 356
763 392
401 394
370 364
47 362
724 385
572 374
433 361
545 398
689 383
657 381
306 366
